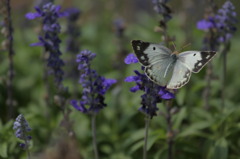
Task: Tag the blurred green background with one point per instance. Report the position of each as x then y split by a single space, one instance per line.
200 133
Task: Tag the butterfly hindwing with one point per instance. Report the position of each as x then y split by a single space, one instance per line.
160 72
196 60
149 53
180 77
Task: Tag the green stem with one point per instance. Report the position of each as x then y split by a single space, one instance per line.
224 53
224 78
94 136
27 149
147 122
169 128
207 89
10 100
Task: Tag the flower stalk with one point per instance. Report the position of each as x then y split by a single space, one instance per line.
147 123
170 135
94 136
7 45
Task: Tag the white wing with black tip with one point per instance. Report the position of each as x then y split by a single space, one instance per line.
148 53
196 60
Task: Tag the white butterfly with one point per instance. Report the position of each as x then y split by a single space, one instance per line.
167 68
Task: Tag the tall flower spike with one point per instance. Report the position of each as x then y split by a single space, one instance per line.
153 93
226 20
22 129
160 6
73 30
49 14
94 86
223 22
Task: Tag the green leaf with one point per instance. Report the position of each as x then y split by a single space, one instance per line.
136 146
3 150
221 149
178 118
151 141
194 129
181 97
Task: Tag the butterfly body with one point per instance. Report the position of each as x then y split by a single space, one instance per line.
167 68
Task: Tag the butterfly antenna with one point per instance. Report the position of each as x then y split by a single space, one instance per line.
175 49
185 46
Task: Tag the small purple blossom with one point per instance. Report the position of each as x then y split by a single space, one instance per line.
49 14
131 58
22 129
32 16
94 86
205 24
153 93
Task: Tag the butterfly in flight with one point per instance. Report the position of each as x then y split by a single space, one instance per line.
167 68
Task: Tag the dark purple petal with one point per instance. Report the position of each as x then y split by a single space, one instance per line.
168 96
22 145
32 16
130 79
37 44
204 25
74 103
131 58
135 88
108 82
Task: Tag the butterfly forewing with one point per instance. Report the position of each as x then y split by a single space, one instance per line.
148 53
196 60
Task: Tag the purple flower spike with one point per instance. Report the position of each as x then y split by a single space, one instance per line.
223 23
131 58
22 129
94 86
49 14
153 93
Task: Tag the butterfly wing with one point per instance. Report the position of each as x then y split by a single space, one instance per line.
161 71
157 61
187 62
196 60
149 53
180 76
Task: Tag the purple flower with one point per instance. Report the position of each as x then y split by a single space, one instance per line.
49 14
22 129
131 58
94 86
153 93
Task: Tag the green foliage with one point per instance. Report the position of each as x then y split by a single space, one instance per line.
199 133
